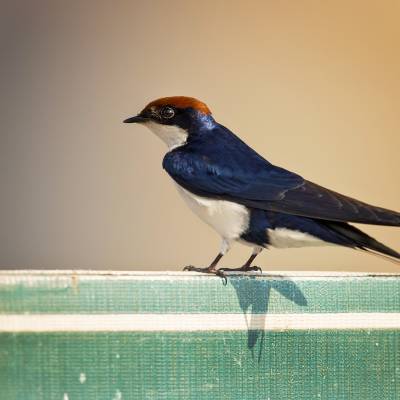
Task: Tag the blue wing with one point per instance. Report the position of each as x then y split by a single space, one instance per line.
222 166
204 177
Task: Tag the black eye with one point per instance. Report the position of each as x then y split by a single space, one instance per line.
167 112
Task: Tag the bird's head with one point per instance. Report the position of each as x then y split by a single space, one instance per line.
175 119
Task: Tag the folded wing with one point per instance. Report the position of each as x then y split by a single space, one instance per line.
246 178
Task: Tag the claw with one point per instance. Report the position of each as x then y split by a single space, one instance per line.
198 269
243 269
207 270
255 268
220 273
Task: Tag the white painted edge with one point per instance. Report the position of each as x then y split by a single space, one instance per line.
22 274
195 322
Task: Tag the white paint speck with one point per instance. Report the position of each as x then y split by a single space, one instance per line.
82 377
117 356
65 397
118 395
377 344
237 361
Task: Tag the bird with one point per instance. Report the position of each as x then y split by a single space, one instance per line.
247 199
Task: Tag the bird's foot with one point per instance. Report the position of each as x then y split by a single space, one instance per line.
245 268
207 270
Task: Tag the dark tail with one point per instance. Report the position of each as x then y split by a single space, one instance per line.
363 241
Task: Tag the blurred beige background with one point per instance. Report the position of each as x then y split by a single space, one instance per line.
313 86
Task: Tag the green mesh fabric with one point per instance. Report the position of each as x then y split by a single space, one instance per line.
319 364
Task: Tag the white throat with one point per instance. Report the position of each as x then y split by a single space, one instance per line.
171 135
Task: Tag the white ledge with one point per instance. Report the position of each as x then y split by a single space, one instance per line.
182 274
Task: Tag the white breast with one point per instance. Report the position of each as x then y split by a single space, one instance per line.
229 219
284 238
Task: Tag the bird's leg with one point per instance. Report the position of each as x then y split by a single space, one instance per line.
247 266
208 270
211 269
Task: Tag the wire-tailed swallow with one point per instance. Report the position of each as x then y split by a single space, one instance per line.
247 199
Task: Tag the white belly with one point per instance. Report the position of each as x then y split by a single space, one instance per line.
284 238
229 219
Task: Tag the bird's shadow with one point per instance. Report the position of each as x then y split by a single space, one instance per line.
253 294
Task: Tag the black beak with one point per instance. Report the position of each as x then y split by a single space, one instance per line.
136 119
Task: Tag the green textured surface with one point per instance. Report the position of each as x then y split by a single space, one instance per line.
291 365
80 294
245 365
